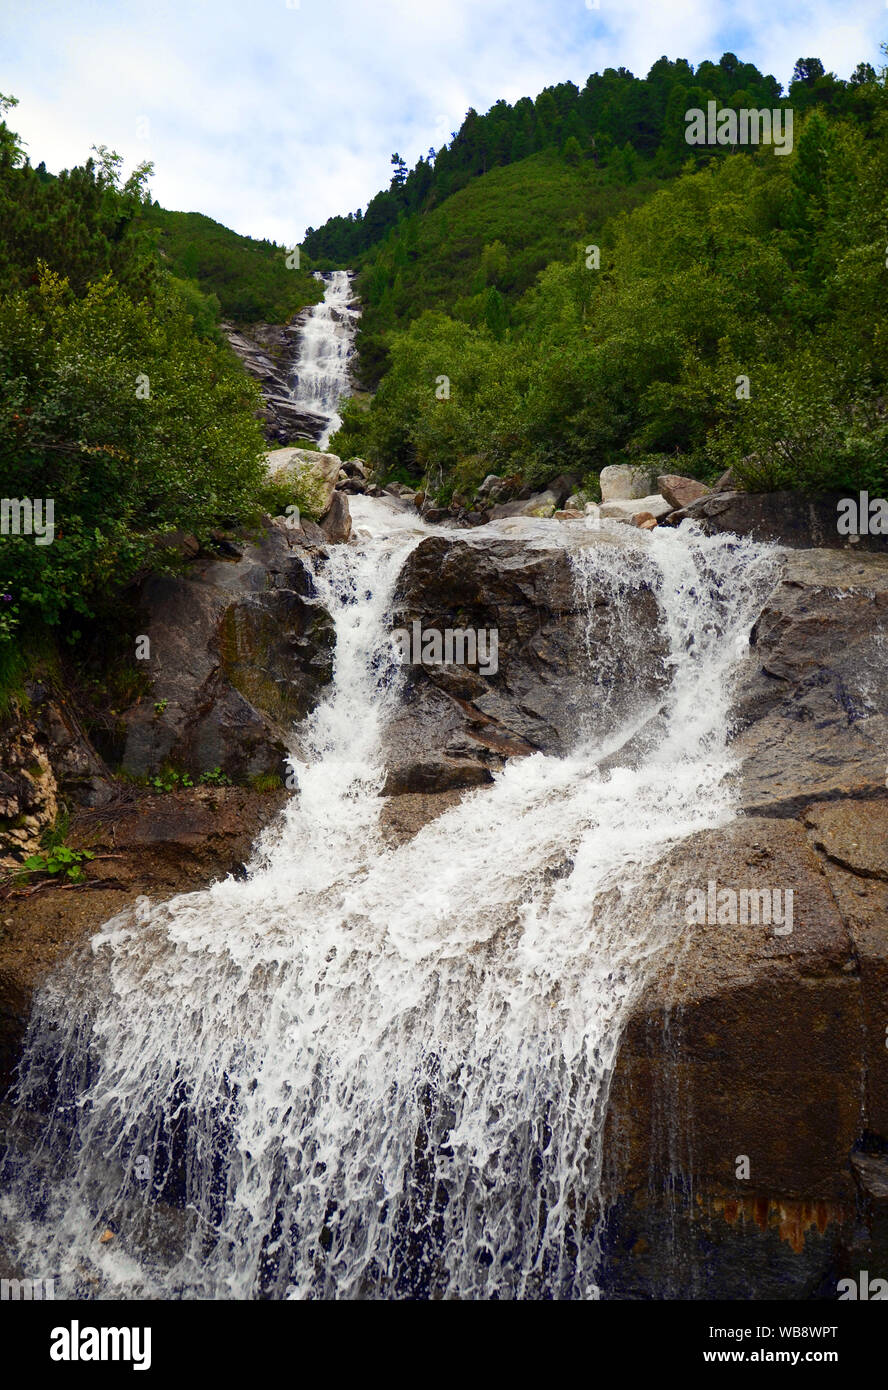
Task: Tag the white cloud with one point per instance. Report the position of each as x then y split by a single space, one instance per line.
271 118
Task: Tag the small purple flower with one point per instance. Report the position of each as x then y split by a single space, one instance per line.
7 598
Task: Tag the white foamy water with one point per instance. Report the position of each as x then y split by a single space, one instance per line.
321 372
374 1072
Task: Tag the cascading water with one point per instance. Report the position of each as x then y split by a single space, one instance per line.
372 1072
321 372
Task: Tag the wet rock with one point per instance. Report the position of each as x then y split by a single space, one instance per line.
749 1046
240 651
404 816
851 838
337 523
556 673
811 707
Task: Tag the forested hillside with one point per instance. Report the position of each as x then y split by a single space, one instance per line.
250 280
120 406
620 294
616 120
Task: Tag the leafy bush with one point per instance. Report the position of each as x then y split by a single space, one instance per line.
132 426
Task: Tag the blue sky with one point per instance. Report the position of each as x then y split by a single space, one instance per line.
272 115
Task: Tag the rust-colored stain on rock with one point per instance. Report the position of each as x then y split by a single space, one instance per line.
791 1219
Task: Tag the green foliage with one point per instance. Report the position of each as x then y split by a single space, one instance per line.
169 780
617 122
266 782
767 268
244 279
62 861
132 425
498 232
215 778
117 401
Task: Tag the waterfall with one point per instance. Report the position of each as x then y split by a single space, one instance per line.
375 1072
321 372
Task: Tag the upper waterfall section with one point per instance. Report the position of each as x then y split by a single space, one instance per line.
321 371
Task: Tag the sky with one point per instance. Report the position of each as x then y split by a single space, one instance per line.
273 115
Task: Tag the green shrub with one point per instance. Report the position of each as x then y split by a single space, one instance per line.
131 425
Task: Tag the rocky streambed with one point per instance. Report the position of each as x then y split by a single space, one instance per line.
746 1148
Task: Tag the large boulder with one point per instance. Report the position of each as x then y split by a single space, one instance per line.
679 491
557 675
336 523
240 651
786 518
621 482
741 1089
654 506
307 466
540 504
810 713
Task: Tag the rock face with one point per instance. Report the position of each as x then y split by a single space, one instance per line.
46 760
752 1069
267 351
621 482
456 723
752 1046
811 708
240 651
786 518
